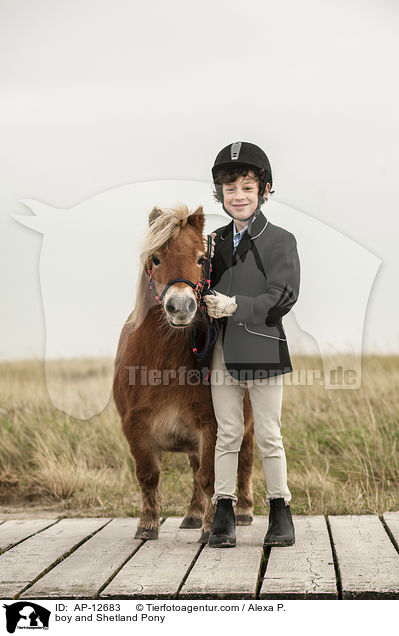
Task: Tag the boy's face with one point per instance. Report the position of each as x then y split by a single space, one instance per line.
241 196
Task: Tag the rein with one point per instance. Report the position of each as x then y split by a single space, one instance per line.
201 289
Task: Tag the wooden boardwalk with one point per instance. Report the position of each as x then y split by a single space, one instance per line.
337 557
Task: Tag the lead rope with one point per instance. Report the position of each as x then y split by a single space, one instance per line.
212 327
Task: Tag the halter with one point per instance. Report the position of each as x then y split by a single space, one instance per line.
201 289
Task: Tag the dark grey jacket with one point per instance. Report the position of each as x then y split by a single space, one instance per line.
263 275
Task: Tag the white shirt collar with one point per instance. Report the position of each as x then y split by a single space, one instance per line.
235 231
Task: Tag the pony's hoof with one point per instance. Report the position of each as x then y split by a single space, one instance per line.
204 538
243 520
146 533
191 523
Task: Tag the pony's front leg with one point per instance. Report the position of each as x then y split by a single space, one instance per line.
195 512
206 478
147 461
147 472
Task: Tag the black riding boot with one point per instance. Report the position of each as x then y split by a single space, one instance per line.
281 528
223 528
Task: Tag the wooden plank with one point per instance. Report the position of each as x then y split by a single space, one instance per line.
83 573
14 531
392 521
158 568
229 572
305 569
368 562
11 513
20 565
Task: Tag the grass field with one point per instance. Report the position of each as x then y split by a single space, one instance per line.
341 446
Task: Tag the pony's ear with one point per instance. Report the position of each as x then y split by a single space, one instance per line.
155 212
197 219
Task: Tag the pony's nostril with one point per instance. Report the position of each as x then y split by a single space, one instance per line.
171 307
191 305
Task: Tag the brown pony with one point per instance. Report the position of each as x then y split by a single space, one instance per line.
161 406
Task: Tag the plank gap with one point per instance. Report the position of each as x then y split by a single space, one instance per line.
262 569
190 567
61 558
335 560
389 533
113 575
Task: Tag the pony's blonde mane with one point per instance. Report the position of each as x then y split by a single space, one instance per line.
165 224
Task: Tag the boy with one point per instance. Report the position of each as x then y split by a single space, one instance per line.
255 272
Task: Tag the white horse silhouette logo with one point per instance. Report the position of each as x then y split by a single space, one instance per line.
88 268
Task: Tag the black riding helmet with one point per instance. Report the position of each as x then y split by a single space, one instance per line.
245 154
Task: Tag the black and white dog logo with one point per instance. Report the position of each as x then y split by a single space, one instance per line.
26 615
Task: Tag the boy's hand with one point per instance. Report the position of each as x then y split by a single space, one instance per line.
220 305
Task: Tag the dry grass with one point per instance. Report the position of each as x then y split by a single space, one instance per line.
341 447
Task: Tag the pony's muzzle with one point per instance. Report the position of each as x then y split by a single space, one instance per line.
180 307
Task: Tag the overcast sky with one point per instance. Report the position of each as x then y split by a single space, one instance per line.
100 94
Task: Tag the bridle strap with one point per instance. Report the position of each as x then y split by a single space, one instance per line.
201 289
171 282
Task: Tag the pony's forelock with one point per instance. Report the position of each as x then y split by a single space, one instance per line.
165 226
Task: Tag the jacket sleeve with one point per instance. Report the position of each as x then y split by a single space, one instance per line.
282 287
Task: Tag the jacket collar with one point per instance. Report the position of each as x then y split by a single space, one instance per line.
255 228
226 243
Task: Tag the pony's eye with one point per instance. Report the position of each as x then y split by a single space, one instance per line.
155 260
201 260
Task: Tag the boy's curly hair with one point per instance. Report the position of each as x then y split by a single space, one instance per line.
230 174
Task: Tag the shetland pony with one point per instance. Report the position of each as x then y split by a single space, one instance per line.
162 404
